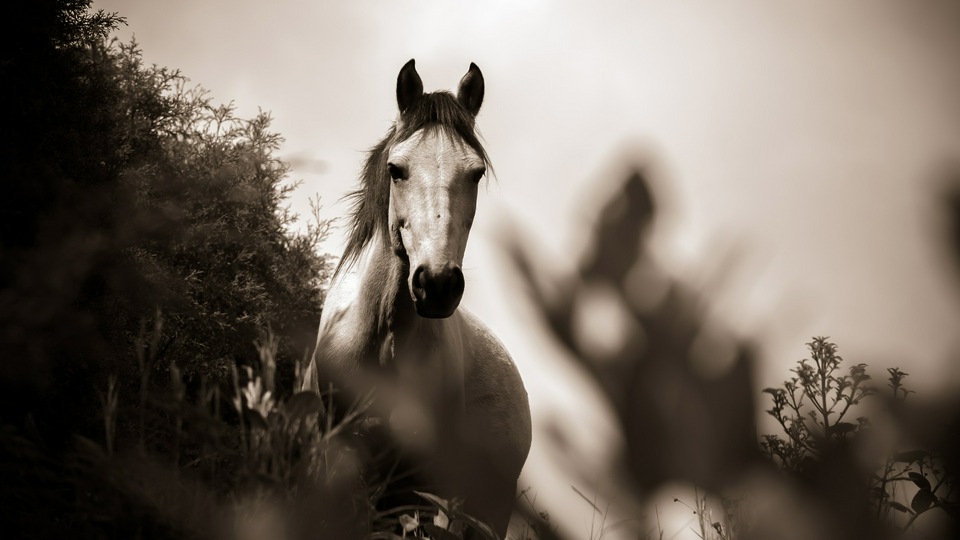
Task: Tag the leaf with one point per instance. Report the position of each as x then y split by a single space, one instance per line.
409 523
480 527
436 501
441 520
920 480
897 506
843 428
303 404
923 500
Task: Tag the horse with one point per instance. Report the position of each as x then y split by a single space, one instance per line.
392 313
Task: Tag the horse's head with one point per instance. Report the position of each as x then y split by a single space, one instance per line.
434 167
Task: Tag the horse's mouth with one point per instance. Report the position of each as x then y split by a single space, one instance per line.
434 309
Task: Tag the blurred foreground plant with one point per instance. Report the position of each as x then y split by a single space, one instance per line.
272 464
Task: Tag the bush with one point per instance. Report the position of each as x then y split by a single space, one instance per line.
130 195
825 449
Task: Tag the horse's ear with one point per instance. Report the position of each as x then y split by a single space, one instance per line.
409 86
470 93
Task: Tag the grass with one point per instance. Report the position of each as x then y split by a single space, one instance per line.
246 461
254 461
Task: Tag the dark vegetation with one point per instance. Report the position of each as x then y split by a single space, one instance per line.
129 196
145 247
154 308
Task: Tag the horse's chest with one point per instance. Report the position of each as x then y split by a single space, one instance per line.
431 362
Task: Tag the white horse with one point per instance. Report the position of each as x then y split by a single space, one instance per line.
450 389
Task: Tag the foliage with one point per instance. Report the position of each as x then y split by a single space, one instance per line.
129 193
680 388
266 466
217 251
150 247
146 246
708 527
811 408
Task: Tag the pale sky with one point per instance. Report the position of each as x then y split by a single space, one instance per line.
806 136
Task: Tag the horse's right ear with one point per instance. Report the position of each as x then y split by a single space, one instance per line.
470 93
409 86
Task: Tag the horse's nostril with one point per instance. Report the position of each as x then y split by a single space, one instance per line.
437 292
418 278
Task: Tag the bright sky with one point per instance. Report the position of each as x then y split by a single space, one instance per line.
807 136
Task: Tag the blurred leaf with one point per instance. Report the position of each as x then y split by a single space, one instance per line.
897 506
624 220
920 480
843 428
409 523
441 520
436 501
923 500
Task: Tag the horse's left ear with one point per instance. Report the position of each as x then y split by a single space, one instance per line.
470 93
409 86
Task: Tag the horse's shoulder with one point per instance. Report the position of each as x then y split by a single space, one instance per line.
495 395
488 364
481 339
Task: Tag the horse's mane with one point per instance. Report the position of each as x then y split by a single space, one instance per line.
369 203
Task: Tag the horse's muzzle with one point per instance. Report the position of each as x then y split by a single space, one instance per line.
437 293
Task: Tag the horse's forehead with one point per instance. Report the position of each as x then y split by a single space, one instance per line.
437 144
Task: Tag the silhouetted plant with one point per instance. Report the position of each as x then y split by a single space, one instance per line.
922 469
708 528
812 409
812 406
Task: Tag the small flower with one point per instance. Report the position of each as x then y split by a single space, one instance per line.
441 520
409 523
257 399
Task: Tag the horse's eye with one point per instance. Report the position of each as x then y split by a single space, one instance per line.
396 172
476 175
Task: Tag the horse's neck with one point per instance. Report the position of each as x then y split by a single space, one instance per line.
359 308
369 320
